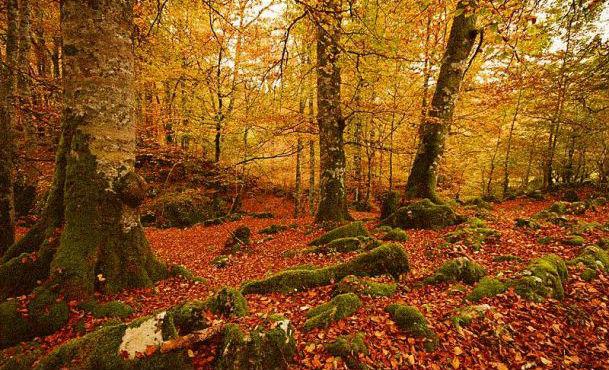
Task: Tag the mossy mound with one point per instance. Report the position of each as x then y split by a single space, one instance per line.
423 214
478 203
570 196
20 357
363 286
543 278
575 240
536 195
182 209
527 223
117 346
238 238
545 240
458 269
47 312
390 202
507 258
465 315
473 235
341 306
349 348
565 208
411 321
108 309
228 302
342 245
396 234
220 261
273 229
270 349
594 258
388 259
352 230
487 287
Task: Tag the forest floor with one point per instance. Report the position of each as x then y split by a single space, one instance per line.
514 333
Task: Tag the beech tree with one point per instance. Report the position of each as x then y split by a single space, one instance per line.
423 175
332 199
95 190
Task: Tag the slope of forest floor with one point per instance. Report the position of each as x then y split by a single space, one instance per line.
514 333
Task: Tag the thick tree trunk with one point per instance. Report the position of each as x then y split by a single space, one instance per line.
332 203
7 118
102 245
423 176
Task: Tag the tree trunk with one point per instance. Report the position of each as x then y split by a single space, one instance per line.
489 185
7 114
312 177
506 164
332 203
95 190
423 176
298 180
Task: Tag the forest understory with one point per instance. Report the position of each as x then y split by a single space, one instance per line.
510 332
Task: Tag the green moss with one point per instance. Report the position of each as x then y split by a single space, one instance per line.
423 215
357 285
396 234
21 357
576 240
341 306
48 311
270 349
221 261
507 258
543 278
559 208
183 271
349 348
487 287
390 259
342 245
411 321
237 239
352 230
478 203
383 229
182 209
527 223
465 315
389 204
13 327
108 309
545 240
593 257
229 302
458 269
273 229
474 234
589 274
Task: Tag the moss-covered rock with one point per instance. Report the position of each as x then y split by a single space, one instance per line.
478 203
474 234
349 348
594 258
183 271
220 261
342 245
341 306
465 315
228 302
390 202
570 196
543 278
527 223
388 259
352 230
14 328
411 321
507 258
423 214
108 309
545 240
575 240
238 238
273 229
589 274
182 209
396 234
20 357
487 287
536 195
363 286
270 349
458 269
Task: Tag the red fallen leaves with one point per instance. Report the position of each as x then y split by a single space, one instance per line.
572 333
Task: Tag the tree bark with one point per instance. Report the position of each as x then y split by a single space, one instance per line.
25 89
423 176
508 152
332 203
7 118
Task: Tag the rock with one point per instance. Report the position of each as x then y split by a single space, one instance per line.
423 215
458 269
352 230
341 306
487 287
411 321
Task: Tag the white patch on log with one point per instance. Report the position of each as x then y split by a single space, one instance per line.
149 333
